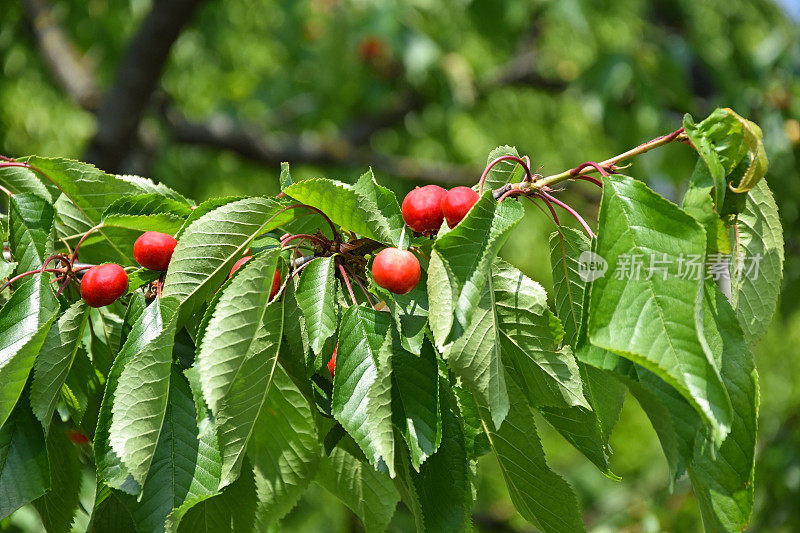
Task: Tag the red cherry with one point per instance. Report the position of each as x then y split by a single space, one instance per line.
238 264
78 437
371 48
276 285
457 203
153 250
276 280
396 270
422 209
332 362
103 284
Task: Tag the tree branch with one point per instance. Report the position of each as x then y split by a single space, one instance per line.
63 59
225 134
136 79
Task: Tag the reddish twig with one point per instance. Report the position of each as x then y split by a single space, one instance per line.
347 283
528 176
361 285
569 210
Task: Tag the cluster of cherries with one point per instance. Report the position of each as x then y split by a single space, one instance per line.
103 284
424 210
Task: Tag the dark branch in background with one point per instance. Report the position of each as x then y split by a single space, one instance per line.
521 70
122 144
136 79
63 59
222 133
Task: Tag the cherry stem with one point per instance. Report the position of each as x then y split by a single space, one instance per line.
347 283
3 189
575 171
569 210
30 272
528 176
77 246
6 158
361 285
304 237
590 178
57 256
549 206
337 237
63 286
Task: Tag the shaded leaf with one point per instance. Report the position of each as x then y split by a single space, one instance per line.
142 392
24 322
316 296
370 494
54 361
362 335
237 356
540 495
24 471
756 266
284 450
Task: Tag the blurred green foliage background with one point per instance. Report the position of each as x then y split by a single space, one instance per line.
423 89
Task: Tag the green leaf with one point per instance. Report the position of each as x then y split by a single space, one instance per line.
386 202
504 171
295 351
146 212
59 505
148 186
24 471
206 207
723 139
756 267
142 392
540 495
237 357
588 430
566 246
233 510
370 494
286 176
90 189
365 414
530 337
723 479
476 357
55 360
24 322
110 514
316 296
82 392
653 321
284 450
21 180
410 312
185 466
474 437
30 236
442 486
441 301
208 248
416 389
699 204
345 206
467 253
